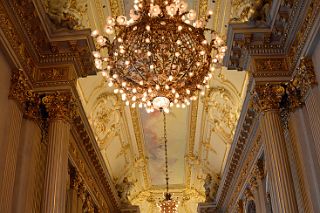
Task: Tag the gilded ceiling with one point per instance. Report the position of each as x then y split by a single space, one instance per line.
130 140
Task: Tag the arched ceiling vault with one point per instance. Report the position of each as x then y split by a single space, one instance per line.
130 141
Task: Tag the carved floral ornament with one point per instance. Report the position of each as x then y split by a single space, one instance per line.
60 105
223 109
105 118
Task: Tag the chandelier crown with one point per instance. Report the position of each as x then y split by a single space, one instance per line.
160 51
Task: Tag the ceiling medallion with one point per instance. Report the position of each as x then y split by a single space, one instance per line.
160 56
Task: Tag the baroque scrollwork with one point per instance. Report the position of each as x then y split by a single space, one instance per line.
105 118
223 111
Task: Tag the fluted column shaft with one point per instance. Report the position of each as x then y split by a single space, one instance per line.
9 170
312 104
57 167
278 163
309 169
25 181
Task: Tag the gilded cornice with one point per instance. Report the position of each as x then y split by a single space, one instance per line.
82 180
93 158
235 156
295 49
245 173
281 96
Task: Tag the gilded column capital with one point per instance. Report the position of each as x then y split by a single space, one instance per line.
268 97
21 92
302 82
60 105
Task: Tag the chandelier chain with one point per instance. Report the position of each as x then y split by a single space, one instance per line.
166 149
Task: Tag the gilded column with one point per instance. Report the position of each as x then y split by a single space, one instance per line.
269 99
60 108
17 98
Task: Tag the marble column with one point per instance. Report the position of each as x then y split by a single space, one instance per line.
269 99
60 108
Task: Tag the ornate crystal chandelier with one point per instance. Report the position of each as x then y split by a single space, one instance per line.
168 205
160 56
